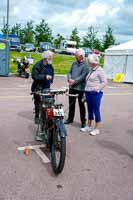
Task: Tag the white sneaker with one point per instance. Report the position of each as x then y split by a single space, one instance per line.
95 132
86 128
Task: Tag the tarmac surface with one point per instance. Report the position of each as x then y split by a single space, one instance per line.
97 167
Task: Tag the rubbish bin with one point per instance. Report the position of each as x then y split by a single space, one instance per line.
4 57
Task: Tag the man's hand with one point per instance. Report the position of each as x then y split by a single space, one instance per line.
48 77
71 82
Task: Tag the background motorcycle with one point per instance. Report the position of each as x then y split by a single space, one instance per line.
23 68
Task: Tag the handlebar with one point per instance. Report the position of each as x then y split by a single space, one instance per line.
51 92
54 91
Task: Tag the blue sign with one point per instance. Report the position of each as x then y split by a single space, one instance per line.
4 57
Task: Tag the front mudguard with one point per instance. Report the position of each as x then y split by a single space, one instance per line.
61 128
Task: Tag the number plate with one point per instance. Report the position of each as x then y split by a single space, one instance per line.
58 112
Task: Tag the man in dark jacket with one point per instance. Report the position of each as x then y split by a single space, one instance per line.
42 75
76 80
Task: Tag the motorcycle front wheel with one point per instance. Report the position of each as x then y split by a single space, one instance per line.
27 75
58 153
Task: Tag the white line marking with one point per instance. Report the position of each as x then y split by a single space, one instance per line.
117 94
14 88
111 87
14 97
32 147
37 149
21 86
42 155
26 97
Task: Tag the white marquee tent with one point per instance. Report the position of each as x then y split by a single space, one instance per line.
119 59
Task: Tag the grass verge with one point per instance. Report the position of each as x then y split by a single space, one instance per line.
61 63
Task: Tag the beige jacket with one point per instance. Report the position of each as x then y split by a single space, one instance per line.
96 80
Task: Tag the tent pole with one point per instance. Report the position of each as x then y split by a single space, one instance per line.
125 67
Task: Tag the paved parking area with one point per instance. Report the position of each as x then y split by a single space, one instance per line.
97 168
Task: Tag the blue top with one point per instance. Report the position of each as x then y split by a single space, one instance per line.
48 71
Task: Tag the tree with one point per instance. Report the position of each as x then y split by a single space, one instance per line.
25 34
28 32
58 40
43 33
5 29
98 44
16 29
90 39
108 38
74 36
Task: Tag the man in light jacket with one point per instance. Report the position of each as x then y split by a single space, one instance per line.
76 80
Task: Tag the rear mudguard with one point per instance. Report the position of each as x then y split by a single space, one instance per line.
61 127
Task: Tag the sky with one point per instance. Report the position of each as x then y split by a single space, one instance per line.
63 16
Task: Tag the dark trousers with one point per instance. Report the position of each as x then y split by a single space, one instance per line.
72 102
37 104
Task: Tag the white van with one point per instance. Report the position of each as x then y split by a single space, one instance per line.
68 47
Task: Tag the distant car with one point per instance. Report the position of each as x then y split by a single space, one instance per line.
95 51
44 46
15 48
14 42
87 51
29 47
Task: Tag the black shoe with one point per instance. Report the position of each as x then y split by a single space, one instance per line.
36 120
41 137
38 138
68 121
83 125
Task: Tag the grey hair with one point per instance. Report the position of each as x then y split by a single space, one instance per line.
46 54
93 58
80 52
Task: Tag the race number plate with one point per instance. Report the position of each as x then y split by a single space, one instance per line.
58 112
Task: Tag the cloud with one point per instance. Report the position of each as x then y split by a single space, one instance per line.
98 13
62 16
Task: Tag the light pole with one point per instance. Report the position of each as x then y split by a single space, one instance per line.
4 21
7 19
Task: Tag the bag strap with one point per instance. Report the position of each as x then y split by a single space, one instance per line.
91 73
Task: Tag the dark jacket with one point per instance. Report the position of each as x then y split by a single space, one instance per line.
39 73
78 72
